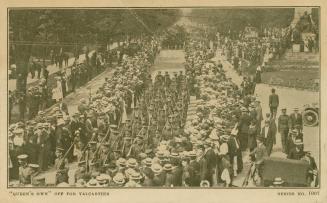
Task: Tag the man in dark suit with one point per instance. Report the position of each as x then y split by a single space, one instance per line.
194 169
273 102
268 132
243 128
203 164
296 119
211 158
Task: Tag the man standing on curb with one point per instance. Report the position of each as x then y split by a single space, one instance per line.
273 102
283 128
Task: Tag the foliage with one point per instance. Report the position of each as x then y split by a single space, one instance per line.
226 20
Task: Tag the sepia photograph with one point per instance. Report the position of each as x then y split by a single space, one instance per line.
176 97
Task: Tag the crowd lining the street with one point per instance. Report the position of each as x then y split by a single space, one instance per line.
136 132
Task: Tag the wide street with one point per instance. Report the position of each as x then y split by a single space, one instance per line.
288 98
172 61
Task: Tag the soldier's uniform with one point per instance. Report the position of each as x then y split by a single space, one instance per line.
283 129
61 164
103 157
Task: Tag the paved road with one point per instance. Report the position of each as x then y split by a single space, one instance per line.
167 60
289 98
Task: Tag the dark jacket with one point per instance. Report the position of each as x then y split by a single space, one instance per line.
296 120
273 100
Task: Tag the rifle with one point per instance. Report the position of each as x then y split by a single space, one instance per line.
130 149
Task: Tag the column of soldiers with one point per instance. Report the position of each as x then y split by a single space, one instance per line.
135 131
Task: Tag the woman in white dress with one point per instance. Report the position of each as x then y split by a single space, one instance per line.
57 92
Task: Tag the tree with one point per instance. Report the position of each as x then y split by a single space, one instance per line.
36 31
226 20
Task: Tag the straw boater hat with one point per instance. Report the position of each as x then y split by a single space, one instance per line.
119 179
34 166
168 167
92 183
22 156
121 162
156 168
148 161
278 181
132 163
135 176
192 154
205 183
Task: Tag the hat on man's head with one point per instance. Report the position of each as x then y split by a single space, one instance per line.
22 156
278 181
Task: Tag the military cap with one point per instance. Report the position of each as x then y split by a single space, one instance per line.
22 156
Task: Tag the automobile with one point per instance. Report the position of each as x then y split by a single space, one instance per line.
310 114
